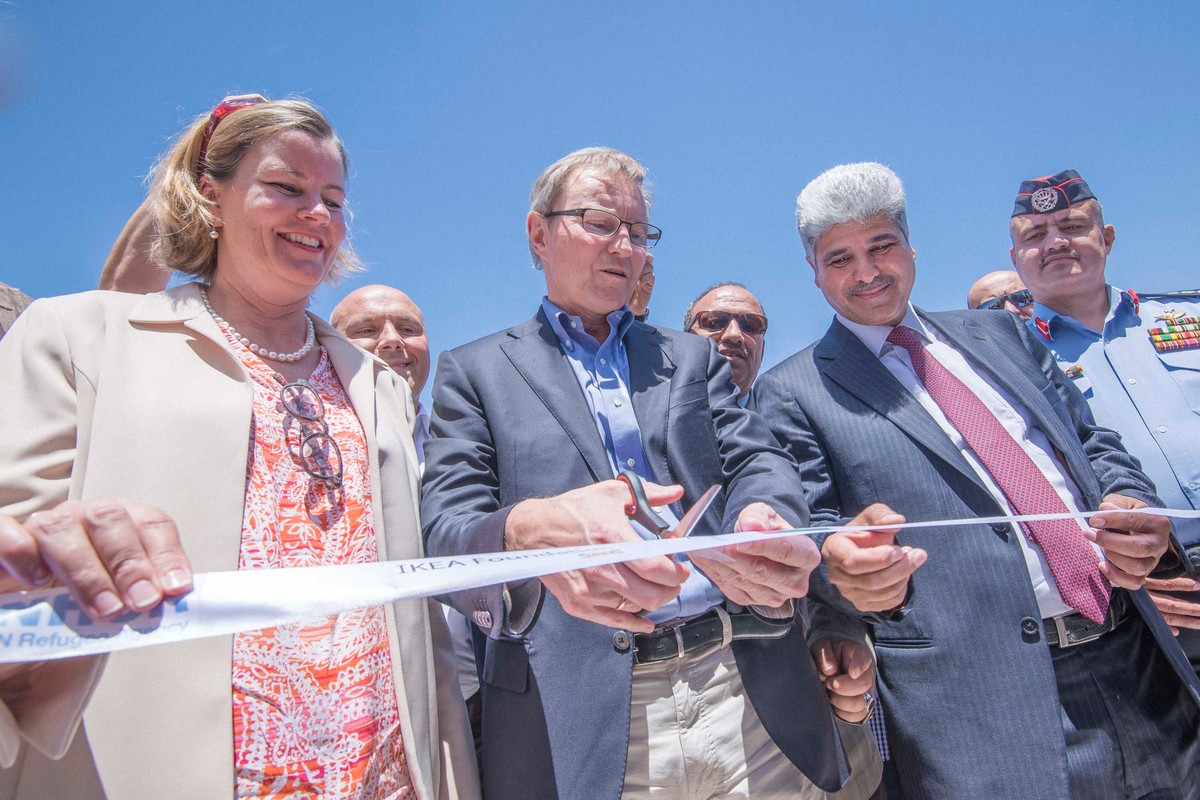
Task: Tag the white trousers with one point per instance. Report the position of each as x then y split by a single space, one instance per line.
694 735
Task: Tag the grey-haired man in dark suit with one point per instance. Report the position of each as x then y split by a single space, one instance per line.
1015 660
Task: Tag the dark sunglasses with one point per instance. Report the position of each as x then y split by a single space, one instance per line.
1020 298
717 321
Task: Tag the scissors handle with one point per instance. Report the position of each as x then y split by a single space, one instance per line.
639 510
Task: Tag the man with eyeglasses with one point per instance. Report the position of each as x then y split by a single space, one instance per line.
1001 290
671 678
1135 356
732 317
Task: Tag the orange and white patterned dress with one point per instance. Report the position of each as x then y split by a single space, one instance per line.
314 704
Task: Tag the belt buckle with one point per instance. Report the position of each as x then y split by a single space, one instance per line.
1065 640
726 626
1061 628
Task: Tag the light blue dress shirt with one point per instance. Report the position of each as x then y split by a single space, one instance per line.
1152 399
602 370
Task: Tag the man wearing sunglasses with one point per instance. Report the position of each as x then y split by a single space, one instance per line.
657 677
1135 356
1001 290
733 318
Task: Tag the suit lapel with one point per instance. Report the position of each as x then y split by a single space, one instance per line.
650 372
536 355
356 372
848 362
1010 369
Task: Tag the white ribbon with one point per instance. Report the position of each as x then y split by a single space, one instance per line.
47 624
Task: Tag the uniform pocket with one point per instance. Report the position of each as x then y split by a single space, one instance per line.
1184 368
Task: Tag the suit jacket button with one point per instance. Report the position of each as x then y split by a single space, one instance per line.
483 619
1000 527
621 642
1031 629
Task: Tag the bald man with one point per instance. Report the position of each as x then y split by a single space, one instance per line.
386 323
1005 286
732 317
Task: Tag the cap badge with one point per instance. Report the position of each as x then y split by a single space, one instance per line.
1043 200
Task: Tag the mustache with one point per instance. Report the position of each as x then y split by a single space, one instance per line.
1072 253
880 282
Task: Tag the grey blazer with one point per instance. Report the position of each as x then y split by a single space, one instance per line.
510 422
971 697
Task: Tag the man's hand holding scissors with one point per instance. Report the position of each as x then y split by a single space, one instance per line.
610 595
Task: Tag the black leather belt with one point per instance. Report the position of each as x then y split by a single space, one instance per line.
715 627
1072 629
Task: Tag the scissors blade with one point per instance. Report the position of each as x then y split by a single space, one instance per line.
694 513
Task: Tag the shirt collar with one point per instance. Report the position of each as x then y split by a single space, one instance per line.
875 336
1119 302
569 329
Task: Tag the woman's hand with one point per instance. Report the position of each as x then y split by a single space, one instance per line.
114 555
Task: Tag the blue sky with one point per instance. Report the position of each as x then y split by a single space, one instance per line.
451 110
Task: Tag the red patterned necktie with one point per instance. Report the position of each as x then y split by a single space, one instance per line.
1072 560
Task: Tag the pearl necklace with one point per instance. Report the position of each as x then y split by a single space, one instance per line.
309 340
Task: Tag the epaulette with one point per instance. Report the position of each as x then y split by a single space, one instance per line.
1184 294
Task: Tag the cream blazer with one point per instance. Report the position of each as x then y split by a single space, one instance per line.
108 394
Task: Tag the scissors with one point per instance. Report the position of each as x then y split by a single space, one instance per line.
641 512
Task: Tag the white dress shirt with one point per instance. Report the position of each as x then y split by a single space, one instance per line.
1015 418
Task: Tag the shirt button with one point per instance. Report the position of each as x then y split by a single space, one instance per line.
1132 381
617 402
573 324
1194 485
603 363
629 462
1162 428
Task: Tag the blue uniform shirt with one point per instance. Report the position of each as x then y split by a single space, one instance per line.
602 370
1152 399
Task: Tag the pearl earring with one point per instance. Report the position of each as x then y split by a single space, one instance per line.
212 233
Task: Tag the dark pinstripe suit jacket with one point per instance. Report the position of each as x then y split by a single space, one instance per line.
972 700
509 422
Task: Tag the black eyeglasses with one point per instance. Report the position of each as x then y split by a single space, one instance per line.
1020 298
318 452
606 224
717 321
